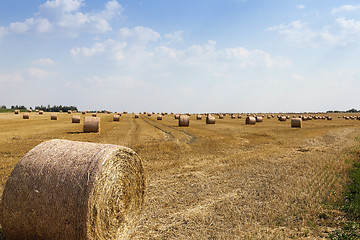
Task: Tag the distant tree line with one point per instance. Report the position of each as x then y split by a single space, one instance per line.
353 110
47 108
55 108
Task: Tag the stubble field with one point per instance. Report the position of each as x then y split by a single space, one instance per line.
222 181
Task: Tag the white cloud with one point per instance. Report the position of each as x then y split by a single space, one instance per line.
11 78
3 31
39 73
300 6
342 32
64 17
175 37
140 34
107 47
43 61
345 8
123 81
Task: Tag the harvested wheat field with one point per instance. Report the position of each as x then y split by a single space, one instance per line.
224 181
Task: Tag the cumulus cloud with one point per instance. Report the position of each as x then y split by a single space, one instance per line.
175 37
43 61
300 6
345 8
65 17
139 34
39 73
3 31
107 47
123 81
342 32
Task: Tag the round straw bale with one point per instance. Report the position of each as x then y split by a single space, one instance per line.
347 118
198 117
159 117
259 119
296 123
37 110
29 110
339 116
221 116
64 189
83 112
41 112
287 117
184 121
69 111
282 118
125 112
119 114
239 116
26 115
137 115
268 117
94 115
233 116
210 119
149 114
16 111
61 111
250 120
177 116
53 116
116 118
91 124
329 118
75 119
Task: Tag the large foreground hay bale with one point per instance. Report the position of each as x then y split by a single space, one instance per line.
296 122
91 124
53 116
250 120
184 121
26 116
210 119
73 190
76 119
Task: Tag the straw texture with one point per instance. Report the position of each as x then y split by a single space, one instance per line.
250 120
296 122
26 115
73 190
53 116
184 121
91 124
210 119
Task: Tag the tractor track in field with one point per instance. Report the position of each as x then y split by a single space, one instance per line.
192 138
168 135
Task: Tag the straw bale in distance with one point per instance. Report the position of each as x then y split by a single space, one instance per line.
41 112
69 111
282 118
83 112
177 116
233 116
75 119
296 122
210 119
198 117
73 190
29 110
137 115
53 116
239 116
250 120
91 124
259 119
116 118
94 115
184 121
329 118
26 115
221 116
159 117
149 114
16 111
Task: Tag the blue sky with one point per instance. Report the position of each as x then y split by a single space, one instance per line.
181 56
